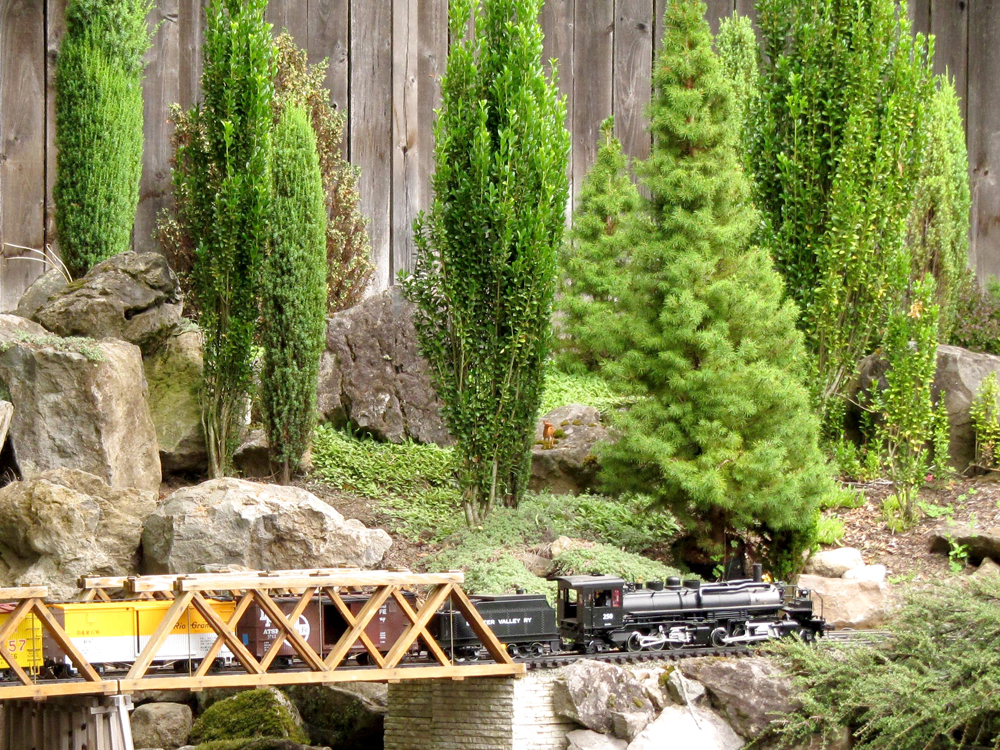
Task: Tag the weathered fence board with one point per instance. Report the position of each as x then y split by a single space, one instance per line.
386 59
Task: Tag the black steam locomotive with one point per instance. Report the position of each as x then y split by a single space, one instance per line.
600 613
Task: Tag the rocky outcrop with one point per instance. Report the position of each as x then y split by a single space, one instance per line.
589 691
14 328
373 377
64 524
252 458
687 727
587 739
133 296
980 543
987 568
347 717
174 373
833 563
259 526
161 725
569 465
41 291
750 693
80 404
845 603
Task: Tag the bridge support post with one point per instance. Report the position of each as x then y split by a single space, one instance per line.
64 723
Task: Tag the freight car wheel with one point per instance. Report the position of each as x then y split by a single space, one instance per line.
514 651
536 649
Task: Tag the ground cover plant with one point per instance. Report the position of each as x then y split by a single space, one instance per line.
99 121
933 684
683 313
485 266
838 140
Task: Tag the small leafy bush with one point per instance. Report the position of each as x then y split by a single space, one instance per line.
603 558
562 389
830 530
986 422
254 713
932 684
977 316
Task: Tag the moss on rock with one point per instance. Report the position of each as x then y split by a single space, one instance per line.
263 713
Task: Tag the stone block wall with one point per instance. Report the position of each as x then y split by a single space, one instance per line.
476 714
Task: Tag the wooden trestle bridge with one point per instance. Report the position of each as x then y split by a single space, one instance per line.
196 593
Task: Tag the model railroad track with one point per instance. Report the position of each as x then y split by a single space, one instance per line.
554 661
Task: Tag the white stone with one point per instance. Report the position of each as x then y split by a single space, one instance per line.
687 727
161 725
833 563
589 691
845 603
874 573
685 691
586 739
627 725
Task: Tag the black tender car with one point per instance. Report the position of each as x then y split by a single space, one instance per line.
526 623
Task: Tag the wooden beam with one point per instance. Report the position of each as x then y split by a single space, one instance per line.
432 644
348 616
63 640
248 660
486 636
343 646
418 627
43 690
210 582
179 607
293 618
216 646
272 610
23 592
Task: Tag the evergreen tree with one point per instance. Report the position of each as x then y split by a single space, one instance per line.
721 432
837 145
224 172
99 129
938 231
737 46
294 309
484 276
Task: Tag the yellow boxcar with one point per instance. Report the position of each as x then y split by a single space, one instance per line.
25 646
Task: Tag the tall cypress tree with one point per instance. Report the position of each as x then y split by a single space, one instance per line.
722 432
485 270
294 292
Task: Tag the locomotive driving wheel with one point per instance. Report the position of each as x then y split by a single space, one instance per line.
718 636
634 642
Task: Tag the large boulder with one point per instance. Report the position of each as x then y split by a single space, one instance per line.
80 404
41 291
342 717
833 563
848 603
750 693
258 526
133 296
979 543
687 727
373 377
64 524
174 374
569 465
162 725
14 328
589 692
265 712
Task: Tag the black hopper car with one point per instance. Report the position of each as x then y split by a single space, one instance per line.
601 613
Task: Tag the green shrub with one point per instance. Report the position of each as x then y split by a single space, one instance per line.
224 177
483 281
986 422
117 27
938 228
603 558
721 432
837 145
977 315
294 294
253 713
830 530
932 684
739 52
99 140
563 388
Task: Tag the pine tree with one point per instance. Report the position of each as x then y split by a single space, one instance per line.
224 173
99 123
294 309
740 55
721 432
484 276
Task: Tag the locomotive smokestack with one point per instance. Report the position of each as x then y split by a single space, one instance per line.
758 573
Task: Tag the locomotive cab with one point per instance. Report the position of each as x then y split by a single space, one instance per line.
589 608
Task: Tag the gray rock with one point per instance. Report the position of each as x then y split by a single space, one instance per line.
42 289
81 405
589 691
874 573
586 739
569 466
373 377
253 458
980 543
987 568
687 727
133 296
651 681
260 526
164 725
848 604
750 693
345 717
64 524
684 691
627 725
833 563
174 374
14 328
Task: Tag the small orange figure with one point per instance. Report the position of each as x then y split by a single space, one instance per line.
548 435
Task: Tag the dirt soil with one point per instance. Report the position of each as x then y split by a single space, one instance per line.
907 554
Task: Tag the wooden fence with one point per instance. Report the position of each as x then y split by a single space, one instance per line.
386 59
